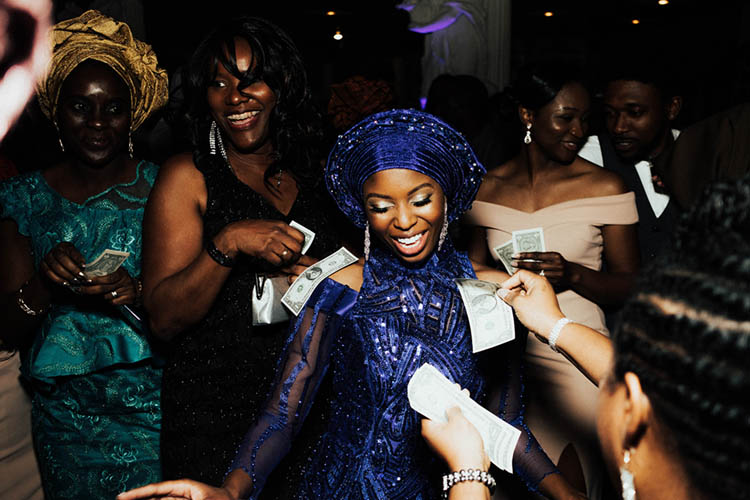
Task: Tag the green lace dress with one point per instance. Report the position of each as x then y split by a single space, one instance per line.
96 412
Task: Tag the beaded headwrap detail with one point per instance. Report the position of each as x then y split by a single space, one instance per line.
92 35
402 138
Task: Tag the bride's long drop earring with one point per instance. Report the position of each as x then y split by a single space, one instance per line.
366 250
444 229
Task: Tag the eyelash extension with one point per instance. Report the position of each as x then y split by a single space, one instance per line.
423 202
378 210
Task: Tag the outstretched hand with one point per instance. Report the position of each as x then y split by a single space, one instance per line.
457 441
181 489
533 299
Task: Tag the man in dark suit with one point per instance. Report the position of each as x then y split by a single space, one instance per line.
639 108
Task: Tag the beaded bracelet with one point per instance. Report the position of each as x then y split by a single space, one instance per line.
24 306
467 475
555 333
221 258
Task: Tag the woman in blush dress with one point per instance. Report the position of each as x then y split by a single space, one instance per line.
588 219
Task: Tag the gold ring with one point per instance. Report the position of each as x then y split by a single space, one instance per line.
114 294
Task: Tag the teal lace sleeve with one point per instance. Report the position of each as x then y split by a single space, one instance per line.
71 340
17 195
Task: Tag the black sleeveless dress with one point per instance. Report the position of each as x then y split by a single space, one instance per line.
220 371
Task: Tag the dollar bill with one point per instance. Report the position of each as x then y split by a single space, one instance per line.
431 394
296 297
490 318
504 254
106 263
529 240
309 235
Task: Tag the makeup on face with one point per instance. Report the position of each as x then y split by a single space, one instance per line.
405 211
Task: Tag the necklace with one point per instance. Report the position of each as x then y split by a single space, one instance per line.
216 140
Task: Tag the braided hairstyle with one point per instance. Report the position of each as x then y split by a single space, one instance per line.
686 334
296 125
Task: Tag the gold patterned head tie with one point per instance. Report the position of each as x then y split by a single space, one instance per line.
92 35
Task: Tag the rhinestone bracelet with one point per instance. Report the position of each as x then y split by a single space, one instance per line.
555 333
24 306
468 475
216 254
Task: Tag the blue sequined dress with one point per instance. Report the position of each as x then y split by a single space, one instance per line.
373 342
96 385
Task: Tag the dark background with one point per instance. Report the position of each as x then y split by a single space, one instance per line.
706 45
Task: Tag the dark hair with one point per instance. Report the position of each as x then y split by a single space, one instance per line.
296 129
686 334
644 67
538 84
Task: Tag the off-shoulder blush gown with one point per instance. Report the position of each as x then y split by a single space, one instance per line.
561 401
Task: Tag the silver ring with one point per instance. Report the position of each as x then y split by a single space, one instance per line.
284 253
114 294
541 273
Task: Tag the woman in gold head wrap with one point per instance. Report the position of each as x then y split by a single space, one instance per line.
96 388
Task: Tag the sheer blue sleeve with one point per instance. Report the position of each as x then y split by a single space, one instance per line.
530 462
299 373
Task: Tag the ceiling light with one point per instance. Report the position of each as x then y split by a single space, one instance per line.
663 2
636 21
338 36
549 14
333 12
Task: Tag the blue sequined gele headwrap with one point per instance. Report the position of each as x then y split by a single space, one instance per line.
402 138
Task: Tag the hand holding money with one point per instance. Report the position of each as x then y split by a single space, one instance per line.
551 265
64 265
274 241
431 394
457 441
534 301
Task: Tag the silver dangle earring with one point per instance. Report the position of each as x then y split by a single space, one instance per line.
626 478
59 139
444 229
527 138
367 240
130 145
216 142
212 138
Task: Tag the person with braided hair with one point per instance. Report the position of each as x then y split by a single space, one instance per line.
673 413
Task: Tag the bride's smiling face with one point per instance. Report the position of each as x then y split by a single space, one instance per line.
405 211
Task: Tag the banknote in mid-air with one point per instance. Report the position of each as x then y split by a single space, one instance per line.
106 263
490 318
296 297
309 235
431 394
504 254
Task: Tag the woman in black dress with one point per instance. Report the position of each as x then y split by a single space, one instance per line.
217 217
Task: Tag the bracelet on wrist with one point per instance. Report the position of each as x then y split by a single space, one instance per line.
24 306
555 333
138 291
468 475
221 258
